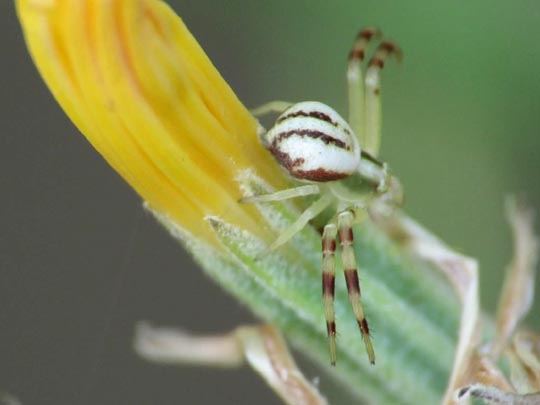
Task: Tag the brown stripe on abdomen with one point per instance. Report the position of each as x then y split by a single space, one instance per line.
309 133
320 175
291 165
311 114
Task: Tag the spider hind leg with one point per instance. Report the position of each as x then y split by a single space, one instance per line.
328 285
345 236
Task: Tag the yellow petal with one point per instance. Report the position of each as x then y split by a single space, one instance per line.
139 87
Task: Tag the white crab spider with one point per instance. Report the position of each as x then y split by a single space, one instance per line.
315 145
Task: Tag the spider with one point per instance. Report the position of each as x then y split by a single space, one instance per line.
317 147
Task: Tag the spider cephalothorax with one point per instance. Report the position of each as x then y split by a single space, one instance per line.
337 160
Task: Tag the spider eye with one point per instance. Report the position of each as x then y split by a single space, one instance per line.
313 142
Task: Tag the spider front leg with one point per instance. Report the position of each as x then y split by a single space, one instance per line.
345 236
311 212
364 94
300 191
355 81
373 94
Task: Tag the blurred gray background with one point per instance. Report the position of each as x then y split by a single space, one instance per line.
80 262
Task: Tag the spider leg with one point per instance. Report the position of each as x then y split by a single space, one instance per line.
277 106
345 235
355 84
311 212
300 191
328 285
373 95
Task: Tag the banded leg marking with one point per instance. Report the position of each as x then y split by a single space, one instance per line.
328 285
345 235
355 82
373 94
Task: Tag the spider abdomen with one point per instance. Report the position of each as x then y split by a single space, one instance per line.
313 142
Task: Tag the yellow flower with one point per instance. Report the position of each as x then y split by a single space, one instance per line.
140 88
